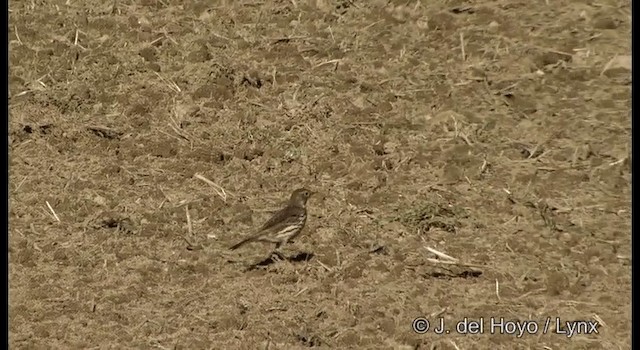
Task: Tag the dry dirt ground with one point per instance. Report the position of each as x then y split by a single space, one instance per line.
484 130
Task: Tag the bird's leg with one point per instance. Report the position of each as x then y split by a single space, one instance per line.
276 255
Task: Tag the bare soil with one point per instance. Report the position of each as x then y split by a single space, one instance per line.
485 130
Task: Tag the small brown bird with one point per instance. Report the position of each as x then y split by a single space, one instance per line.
284 225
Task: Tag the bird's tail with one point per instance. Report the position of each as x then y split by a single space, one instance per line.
241 243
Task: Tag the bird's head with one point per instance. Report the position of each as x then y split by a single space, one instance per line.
300 196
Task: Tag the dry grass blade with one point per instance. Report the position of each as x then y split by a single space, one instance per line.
173 86
181 134
462 51
442 255
600 321
449 260
17 36
20 184
327 62
324 266
189 225
52 211
217 188
301 291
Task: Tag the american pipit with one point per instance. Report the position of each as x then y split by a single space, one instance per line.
284 225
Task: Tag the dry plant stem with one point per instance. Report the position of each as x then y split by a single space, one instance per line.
217 188
440 254
462 52
301 291
449 260
600 321
173 86
325 266
189 225
53 211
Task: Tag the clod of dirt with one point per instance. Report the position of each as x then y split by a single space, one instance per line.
359 150
114 220
110 170
521 103
149 54
557 282
212 156
327 256
104 132
619 65
462 9
442 21
184 110
452 173
220 91
200 55
24 254
451 275
584 152
528 151
309 340
353 270
28 131
378 146
605 22
253 79
382 250
551 58
249 153
400 13
350 338
154 67
381 163
431 215
493 25
140 110
244 214
163 149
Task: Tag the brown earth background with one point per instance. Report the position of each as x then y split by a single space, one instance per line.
486 130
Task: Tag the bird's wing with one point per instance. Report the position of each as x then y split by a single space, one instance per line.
278 220
281 216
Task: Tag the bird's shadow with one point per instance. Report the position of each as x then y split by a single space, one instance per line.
277 256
